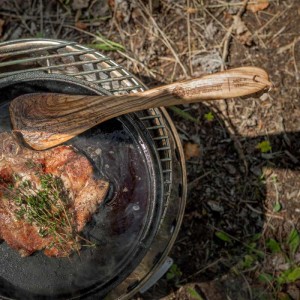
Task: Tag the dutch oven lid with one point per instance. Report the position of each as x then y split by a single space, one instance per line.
124 226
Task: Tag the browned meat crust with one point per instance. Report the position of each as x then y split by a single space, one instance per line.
75 172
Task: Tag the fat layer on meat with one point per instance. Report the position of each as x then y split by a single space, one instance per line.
76 172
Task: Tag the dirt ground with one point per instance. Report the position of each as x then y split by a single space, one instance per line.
239 238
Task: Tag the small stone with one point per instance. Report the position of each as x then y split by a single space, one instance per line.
98 151
215 206
230 169
252 122
210 62
195 138
256 171
291 195
136 207
210 31
264 97
79 4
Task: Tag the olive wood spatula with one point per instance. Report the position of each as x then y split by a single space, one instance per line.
45 120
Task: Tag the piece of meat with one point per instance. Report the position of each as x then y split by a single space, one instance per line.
83 194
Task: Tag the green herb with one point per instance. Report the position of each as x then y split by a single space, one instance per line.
290 275
277 207
293 241
105 44
264 147
223 236
209 116
194 294
174 273
265 277
46 206
183 114
248 261
273 246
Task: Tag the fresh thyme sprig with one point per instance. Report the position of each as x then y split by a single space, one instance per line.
47 206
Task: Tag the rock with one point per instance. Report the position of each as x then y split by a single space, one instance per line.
17 33
256 171
230 169
79 4
191 150
210 31
215 206
210 62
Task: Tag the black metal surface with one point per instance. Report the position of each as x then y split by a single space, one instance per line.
121 151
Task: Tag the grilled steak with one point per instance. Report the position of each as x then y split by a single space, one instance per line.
46 197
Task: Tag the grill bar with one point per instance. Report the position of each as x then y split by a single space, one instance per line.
159 138
96 71
51 67
34 59
129 88
107 75
166 159
34 50
112 79
150 117
156 127
163 148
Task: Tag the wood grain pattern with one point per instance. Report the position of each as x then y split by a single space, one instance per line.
46 120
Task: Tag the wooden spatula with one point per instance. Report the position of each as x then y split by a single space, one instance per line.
46 120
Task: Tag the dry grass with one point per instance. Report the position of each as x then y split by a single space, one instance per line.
230 187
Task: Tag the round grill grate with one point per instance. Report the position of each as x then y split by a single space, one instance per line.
69 58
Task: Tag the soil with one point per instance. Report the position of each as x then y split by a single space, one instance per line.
242 193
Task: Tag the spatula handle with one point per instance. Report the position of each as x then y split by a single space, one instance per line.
227 84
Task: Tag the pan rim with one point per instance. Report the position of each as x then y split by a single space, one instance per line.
10 80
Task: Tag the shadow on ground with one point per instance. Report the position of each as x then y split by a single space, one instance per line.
227 192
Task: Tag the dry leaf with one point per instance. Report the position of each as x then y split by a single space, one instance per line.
191 150
210 61
81 25
191 10
111 4
136 14
243 34
122 10
1 26
210 31
257 5
80 4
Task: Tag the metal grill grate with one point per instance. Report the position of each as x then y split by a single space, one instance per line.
68 58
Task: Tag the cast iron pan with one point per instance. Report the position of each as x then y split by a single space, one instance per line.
124 226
